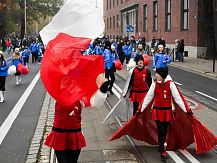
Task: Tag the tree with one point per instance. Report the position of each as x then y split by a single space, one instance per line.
36 10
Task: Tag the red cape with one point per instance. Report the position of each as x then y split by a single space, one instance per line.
182 132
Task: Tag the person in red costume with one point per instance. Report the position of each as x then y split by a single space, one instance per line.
157 121
66 137
161 92
138 82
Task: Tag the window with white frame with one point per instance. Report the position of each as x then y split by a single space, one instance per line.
145 12
168 15
155 16
185 14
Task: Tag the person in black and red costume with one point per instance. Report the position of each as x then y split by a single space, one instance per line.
66 137
157 122
138 82
161 92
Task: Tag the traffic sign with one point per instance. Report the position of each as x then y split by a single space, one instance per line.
129 28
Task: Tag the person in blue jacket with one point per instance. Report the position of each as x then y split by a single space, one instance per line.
161 59
98 49
26 54
108 61
139 52
34 50
3 75
128 48
16 59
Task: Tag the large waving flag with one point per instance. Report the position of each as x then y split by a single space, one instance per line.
66 74
78 18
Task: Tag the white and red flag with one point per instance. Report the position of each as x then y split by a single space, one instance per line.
67 75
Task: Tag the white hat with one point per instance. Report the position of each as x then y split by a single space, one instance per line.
160 46
1 52
112 47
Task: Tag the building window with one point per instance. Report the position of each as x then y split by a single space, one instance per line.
117 2
121 1
110 4
107 23
117 21
155 18
110 23
185 14
107 5
113 3
113 22
168 15
145 12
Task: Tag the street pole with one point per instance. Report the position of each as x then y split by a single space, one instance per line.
25 14
96 3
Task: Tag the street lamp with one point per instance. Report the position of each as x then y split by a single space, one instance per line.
25 14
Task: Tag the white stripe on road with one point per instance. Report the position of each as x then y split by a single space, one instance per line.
116 93
175 157
118 88
178 83
5 127
206 95
189 156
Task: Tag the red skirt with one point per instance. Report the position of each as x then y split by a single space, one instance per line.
162 115
137 97
65 140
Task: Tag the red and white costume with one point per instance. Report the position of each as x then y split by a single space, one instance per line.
137 84
66 132
183 130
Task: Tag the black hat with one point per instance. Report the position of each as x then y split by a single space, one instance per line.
139 57
163 72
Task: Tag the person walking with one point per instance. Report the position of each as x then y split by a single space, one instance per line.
109 65
181 50
128 48
17 59
161 59
3 75
161 92
138 82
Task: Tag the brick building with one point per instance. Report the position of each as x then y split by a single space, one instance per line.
169 19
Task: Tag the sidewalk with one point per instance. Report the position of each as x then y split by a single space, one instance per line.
39 153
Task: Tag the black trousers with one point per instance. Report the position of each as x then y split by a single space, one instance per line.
135 107
67 156
162 133
127 58
34 56
110 73
2 83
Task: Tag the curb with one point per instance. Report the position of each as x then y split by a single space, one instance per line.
37 153
208 74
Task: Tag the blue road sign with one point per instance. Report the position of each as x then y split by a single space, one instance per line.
129 28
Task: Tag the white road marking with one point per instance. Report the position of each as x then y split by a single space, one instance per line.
118 88
178 83
189 156
5 127
206 95
175 157
116 93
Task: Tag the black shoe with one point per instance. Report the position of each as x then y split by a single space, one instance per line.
112 93
164 156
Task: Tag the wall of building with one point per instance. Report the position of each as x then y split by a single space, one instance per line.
190 36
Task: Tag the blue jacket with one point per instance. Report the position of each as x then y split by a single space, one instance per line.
108 59
98 50
127 49
161 60
34 47
137 53
115 54
4 69
26 54
15 62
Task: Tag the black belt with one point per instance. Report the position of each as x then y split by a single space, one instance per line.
66 130
162 108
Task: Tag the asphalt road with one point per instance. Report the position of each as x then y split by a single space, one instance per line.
14 146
